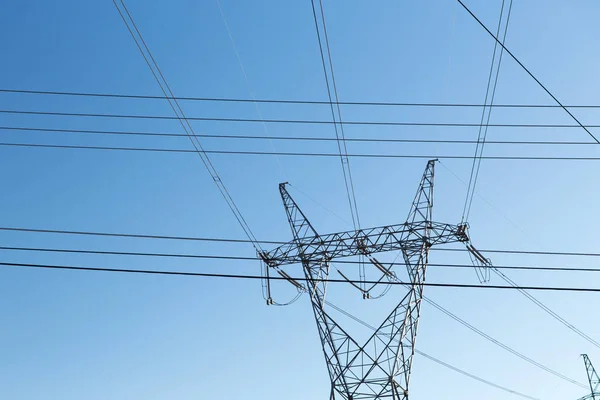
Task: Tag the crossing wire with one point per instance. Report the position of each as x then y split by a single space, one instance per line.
295 154
247 258
287 101
292 138
180 116
228 240
528 72
291 121
503 276
299 279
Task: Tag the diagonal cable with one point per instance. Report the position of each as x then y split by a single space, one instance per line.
338 133
483 127
487 124
528 72
187 127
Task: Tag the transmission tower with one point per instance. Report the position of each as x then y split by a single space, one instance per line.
593 380
380 368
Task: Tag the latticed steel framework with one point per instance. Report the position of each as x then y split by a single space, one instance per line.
593 380
380 368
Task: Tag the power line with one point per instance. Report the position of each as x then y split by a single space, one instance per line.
247 258
341 143
253 277
133 235
528 72
227 240
469 375
530 297
292 138
243 69
500 344
288 101
296 154
299 279
290 121
483 128
547 309
185 124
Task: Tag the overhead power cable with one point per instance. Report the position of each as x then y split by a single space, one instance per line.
291 121
469 375
248 258
227 240
180 116
291 138
299 279
456 318
132 235
253 277
295 154
483 128
340 136
547 309
243 69
528 72
500 344
537 302
288 101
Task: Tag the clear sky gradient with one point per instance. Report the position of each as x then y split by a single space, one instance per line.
89 335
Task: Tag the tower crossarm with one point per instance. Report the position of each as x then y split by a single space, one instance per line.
365 241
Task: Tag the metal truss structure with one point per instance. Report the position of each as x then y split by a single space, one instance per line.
593 380
380 368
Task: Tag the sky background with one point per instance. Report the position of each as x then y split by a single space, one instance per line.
91 335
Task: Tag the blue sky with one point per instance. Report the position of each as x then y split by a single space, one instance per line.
87 335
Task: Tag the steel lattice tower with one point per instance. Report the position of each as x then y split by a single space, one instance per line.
380 368
593 380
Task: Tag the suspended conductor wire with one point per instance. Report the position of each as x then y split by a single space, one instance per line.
241 64
483 127
339 112
342 147
273 242
294 138
343 156
286 101
264 125
300 121
297 154
529 72
500 344
574 289
529 296
247 258
487 124
168 93
547 309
